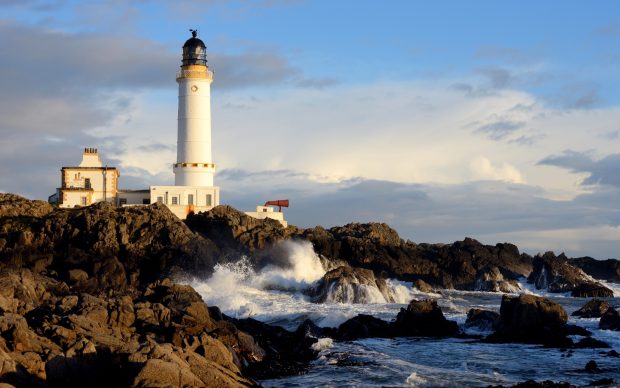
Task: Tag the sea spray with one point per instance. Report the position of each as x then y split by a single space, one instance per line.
275 293
304 268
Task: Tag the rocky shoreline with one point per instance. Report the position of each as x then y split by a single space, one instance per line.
88 296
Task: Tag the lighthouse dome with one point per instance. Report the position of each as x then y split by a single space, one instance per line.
194 51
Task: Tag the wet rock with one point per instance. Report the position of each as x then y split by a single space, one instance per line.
608 270
542 384
594 308
424 318
556 274
351 285
531 319
277 351
491 279
422 286
363 326
592 367
589 342
592 289
612 353
610 320
601 383
482 319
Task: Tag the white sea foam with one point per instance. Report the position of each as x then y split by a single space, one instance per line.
414 380
322 344
304 268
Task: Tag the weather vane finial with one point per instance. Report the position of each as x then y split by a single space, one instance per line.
194 32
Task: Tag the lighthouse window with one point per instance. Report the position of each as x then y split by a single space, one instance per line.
209 199
190 199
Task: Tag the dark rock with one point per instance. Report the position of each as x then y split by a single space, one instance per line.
594 308
309 329
610 320
482 319
542 384
601 382
592 367
351 285
556 274
577 330
591 289
284 352
363 326
612 353
424 318
608 270
531 319
589 342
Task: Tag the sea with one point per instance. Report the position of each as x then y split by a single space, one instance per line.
274 295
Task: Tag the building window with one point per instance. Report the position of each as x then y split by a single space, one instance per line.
87 183
83 201
160 199
175 200
146 201
190 199
122 201
209 200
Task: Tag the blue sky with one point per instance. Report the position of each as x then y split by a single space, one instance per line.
495 120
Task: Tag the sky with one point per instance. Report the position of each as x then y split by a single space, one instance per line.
493 120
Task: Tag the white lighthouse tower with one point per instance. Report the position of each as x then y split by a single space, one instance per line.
194 169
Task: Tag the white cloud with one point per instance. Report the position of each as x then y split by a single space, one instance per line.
482 169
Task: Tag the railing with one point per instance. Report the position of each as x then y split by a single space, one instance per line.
195 74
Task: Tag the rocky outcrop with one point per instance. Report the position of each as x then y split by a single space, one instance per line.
235 232
12 205
351 285
610 320
115 248
421 318
61 337
424 318
364 326
594 308
378 247
555 274
84 301
531 319
608 270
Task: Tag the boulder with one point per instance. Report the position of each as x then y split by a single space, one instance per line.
424 318
594 308
363 326
351 285
610 320
531 319
482 319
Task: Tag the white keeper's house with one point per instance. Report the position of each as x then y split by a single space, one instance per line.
193 190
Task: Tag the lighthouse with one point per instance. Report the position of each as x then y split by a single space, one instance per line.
194 166
194 169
